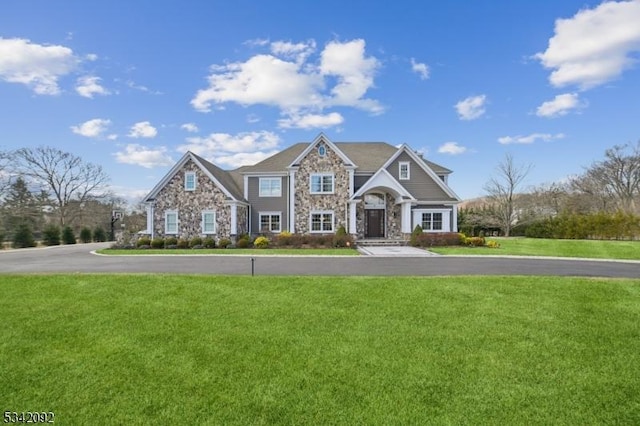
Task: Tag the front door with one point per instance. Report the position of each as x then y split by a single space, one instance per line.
374 223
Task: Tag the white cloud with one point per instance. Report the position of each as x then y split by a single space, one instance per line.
560 105
242 158
354 71
219 144
92 128
143 129
472 107
190 127
287 78
87 86
144 156
311 121
529 139
594 46
421 69
35 65
452 148
298 51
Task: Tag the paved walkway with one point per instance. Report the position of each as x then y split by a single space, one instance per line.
394 251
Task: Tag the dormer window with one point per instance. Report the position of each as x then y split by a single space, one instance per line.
190 181
322 151
404 172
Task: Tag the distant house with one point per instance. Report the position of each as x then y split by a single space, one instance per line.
373 189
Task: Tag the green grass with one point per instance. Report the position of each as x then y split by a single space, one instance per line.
629 250
133 349
235 251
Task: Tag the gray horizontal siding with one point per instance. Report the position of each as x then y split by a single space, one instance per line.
267 204
420 184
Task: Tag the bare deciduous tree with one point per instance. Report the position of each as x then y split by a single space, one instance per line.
5 161
64 175
502 191
618 175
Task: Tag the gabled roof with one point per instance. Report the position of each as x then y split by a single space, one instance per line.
221 178
322 138
382 178
423 164
369 156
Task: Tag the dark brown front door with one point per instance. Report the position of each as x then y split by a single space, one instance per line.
374 223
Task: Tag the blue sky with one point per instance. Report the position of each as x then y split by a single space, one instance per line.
132 85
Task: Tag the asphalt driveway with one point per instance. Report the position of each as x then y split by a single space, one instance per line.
78 258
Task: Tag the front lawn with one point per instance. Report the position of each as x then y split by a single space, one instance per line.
517 246
165 349
236 251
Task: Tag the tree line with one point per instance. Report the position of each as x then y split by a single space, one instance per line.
601 202
54 196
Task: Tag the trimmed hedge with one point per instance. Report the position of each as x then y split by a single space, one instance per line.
439 239
600 226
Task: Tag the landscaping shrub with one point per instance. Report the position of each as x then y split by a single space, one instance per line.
99 235
143 242
224 243
475 241
157 243
51 235
67 236
195 242
183 243
283 239
23 237
417 232
243 243
209 243
170 242
440 239
85 235
261 242
493 244
342 239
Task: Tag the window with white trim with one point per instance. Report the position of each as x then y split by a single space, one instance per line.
404 170
321 221
270 187
431 221
270 221
190 181
321 183
171 222
208 222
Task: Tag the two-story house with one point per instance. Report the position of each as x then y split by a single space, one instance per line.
373 189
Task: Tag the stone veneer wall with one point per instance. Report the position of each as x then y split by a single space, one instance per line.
394 224
242 220
191 204
305 202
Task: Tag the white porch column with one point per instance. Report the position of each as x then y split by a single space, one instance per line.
454 218
406 217
234 219
352 217
150 219
292 201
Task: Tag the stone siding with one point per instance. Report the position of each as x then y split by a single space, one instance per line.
242 220
191 204
305 202
394 218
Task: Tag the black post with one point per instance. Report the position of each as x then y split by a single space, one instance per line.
253 260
